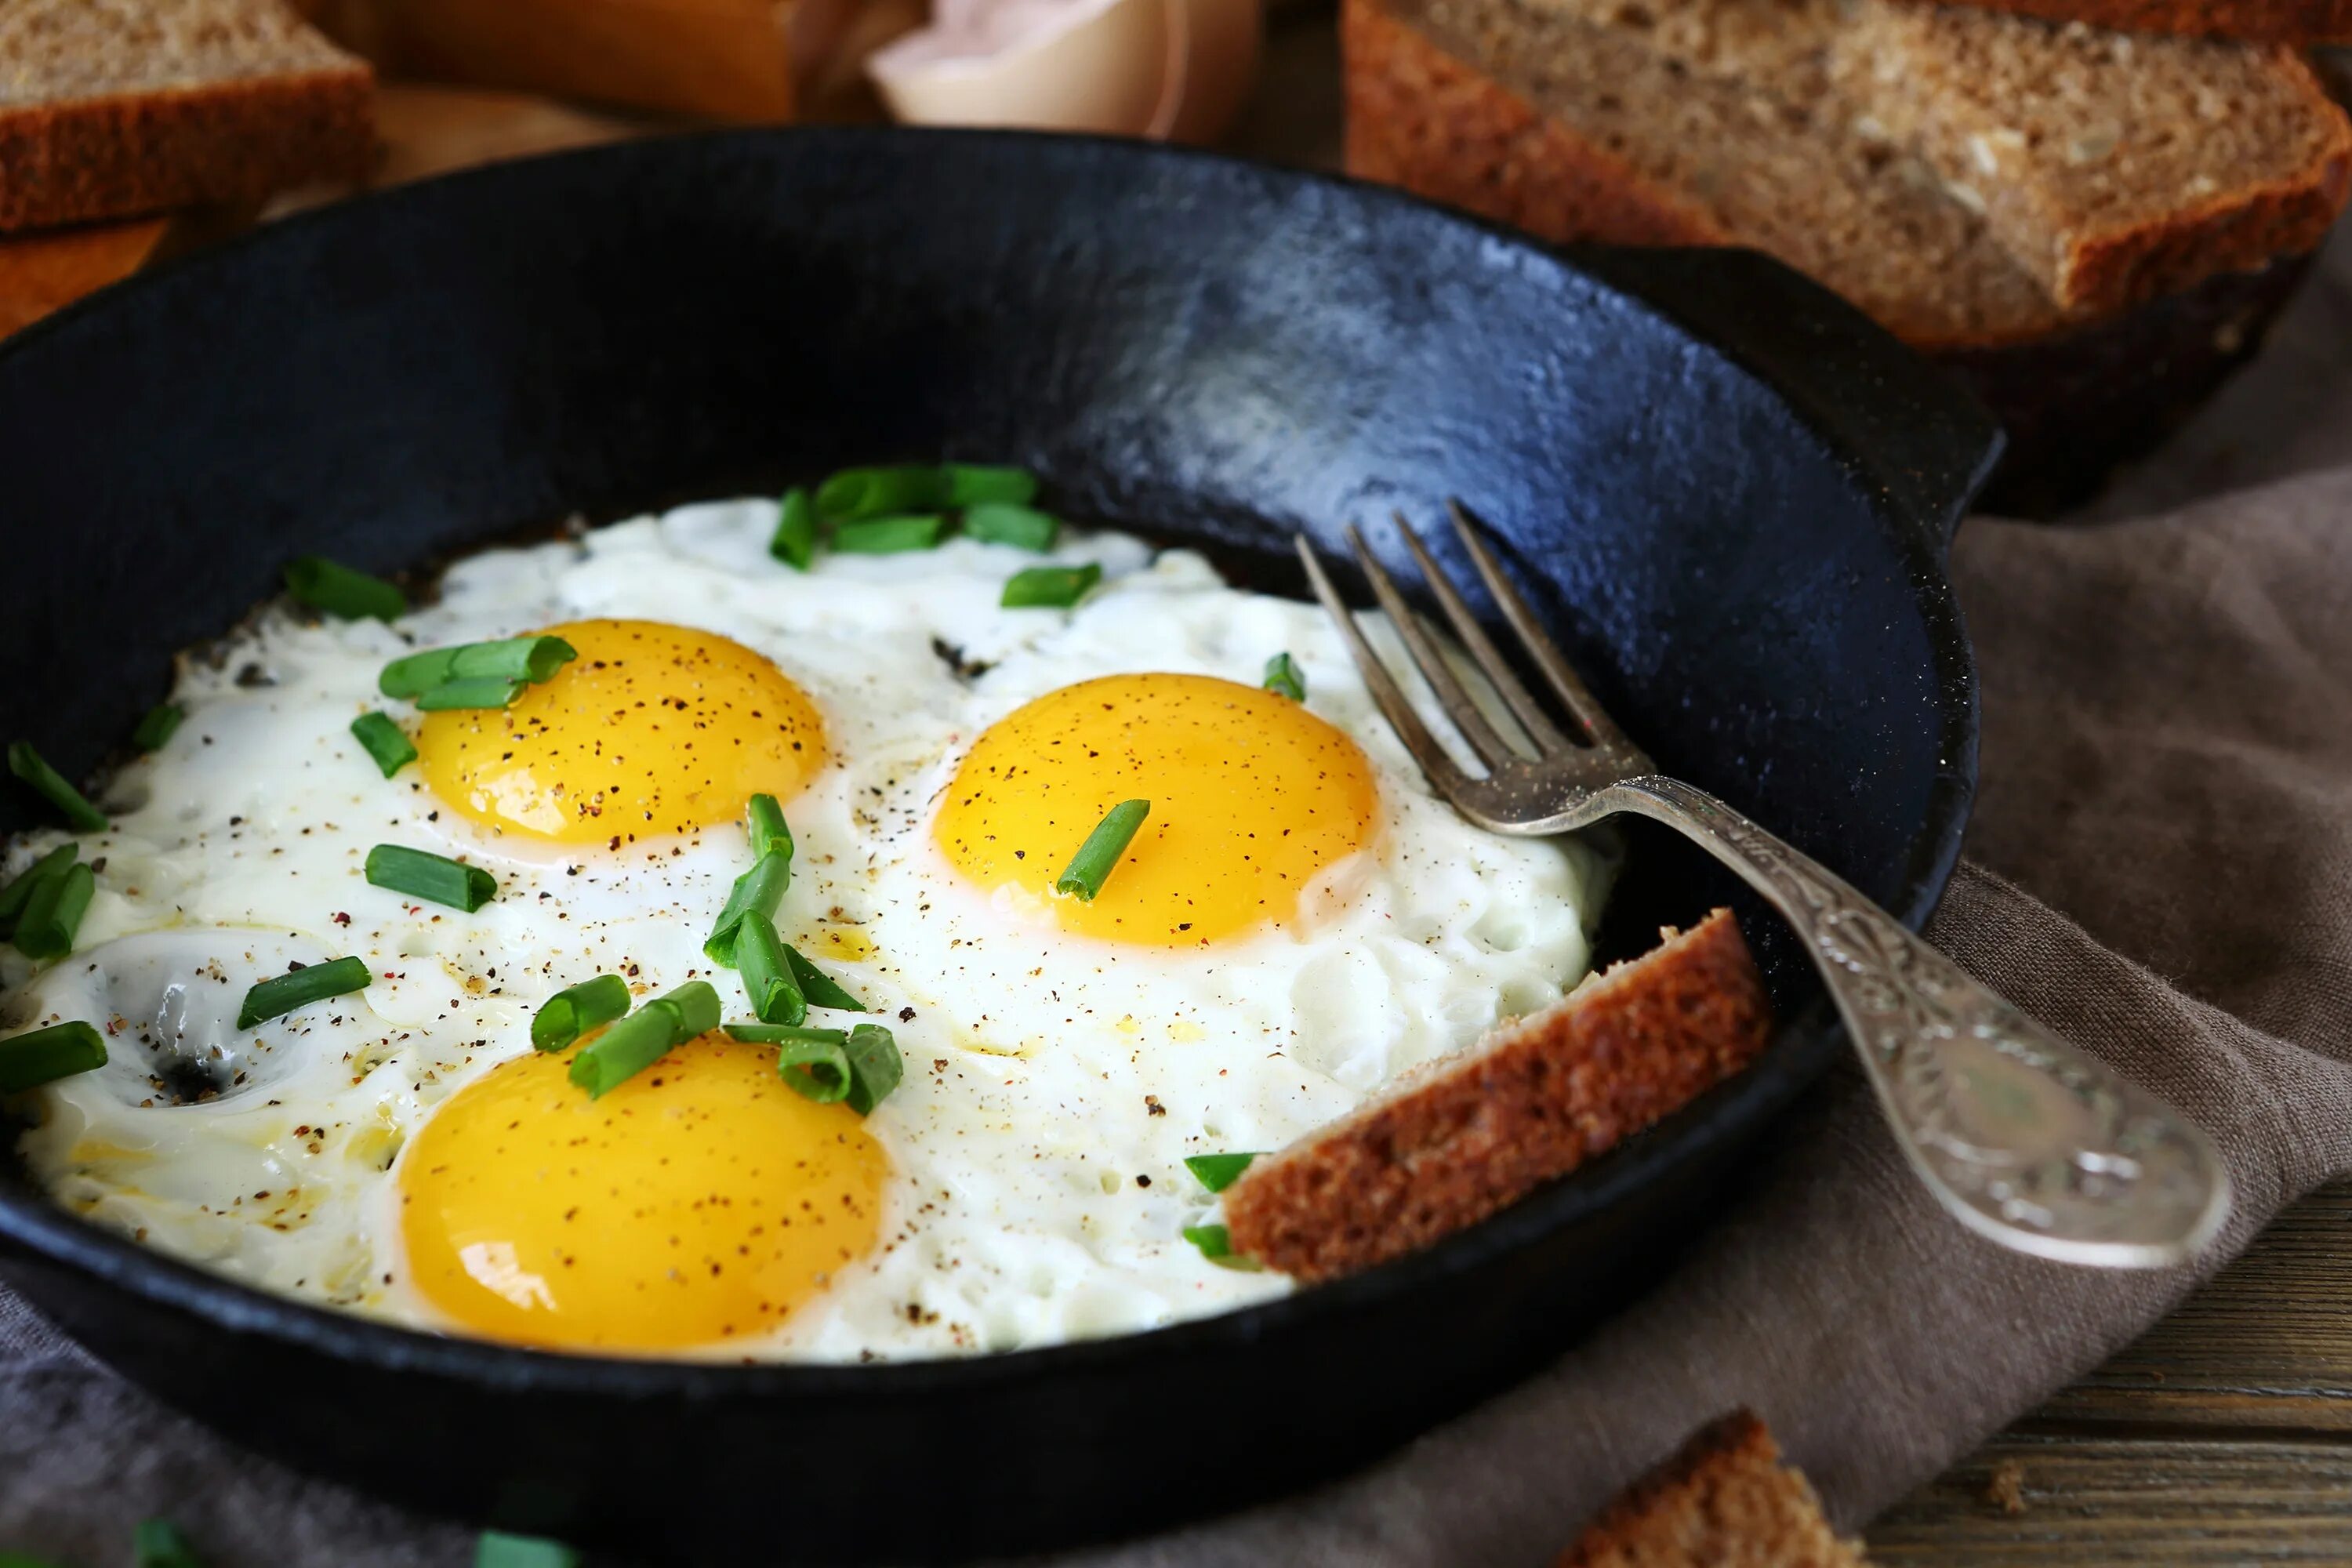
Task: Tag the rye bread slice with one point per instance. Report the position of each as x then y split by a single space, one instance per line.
1725 1500
1470 1135
115 107
2117 168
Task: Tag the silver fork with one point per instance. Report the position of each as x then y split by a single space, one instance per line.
2019 1135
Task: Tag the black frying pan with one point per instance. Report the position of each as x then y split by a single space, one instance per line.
1730 494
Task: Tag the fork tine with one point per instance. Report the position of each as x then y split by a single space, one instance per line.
1521 701
1440 768
1564 680
1492 749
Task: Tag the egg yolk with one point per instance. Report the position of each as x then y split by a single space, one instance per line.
696 1203
653 730
1251 796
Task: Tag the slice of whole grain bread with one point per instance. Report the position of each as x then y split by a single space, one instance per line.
1724 1501
114 108
1539 1096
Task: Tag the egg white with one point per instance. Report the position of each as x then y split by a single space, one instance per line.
1053 1084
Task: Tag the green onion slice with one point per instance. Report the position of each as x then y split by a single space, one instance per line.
820 988
1003 522
576 1009
497 1550
50 785
162 722
795 540
768 980
274 999
817 1069
44 1056
1216 1245
874 1069
435 879
1217 1172
327 586
516 659
982 484
158 1543
478 691
383 740
18 893
889 536
764 819
1049 587
1283 675
53 912
634 1044
762 888
856 493
1100 852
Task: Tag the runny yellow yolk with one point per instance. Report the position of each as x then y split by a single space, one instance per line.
697 1203
1251 796
653 730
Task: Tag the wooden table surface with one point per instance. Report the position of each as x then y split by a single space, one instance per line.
2223 1437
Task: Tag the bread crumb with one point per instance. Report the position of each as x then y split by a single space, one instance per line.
2006 1490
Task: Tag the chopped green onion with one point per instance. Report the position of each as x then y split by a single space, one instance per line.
856 493
324 584
274 999
762 888
817 1069
53 912
982 484
1102 849
1217 1172
795 540
50 785
1216 1245
435 879
158 1543
44 1056
383 740
764 819
889 536
1049 587
1283 675
516 659
576 1009
752 1034
497 1550
820 988
14 897
768 982
480 691
162 722
644 1036
875 1067
1002 522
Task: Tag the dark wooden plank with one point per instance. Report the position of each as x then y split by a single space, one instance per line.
2266 1344
2095 1502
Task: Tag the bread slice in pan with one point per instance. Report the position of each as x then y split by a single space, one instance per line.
1537 1096
114 108
1725 1500
2298 22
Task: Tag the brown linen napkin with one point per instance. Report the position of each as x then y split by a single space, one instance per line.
2167 760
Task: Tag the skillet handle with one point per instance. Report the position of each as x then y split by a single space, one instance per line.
1905 423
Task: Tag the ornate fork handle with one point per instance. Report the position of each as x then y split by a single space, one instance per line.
2020 1134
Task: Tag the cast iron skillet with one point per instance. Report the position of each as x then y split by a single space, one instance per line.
1730 494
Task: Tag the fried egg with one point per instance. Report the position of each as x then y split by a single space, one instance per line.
1297 921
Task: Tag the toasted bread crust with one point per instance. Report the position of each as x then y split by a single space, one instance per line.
1727 1478
1536 1099
229 143
2297 21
